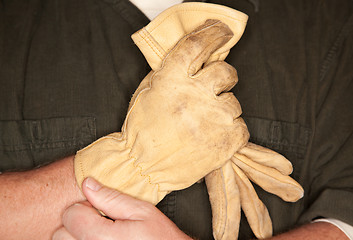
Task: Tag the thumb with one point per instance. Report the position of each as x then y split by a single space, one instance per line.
112 203
193 50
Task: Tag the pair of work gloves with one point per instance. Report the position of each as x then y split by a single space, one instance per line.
183 125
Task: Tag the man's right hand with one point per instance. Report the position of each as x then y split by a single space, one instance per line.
133 219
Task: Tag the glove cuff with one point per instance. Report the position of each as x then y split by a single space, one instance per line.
161 34
108 160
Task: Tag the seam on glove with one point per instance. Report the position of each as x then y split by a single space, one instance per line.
173 13
226 203
133 105
136 165
151 42
81 172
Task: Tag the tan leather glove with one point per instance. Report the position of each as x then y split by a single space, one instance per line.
267 169
229 186
180 126
157 38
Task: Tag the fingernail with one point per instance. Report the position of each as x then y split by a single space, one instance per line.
93 184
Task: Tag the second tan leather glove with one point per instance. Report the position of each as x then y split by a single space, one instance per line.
264 167
181 124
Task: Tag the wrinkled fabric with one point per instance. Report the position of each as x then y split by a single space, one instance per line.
295 88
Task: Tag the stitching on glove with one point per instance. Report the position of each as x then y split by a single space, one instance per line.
147 37
134 163
183 11
209 12
81 172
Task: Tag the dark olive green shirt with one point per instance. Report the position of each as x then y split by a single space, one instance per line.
68 69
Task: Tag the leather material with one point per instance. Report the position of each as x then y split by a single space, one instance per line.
181 124
229 188
157 38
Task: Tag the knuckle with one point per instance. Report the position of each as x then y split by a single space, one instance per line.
230 104
68 213
57 235
111 196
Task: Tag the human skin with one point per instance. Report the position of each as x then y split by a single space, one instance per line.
33 203
134 219
313 231
137 219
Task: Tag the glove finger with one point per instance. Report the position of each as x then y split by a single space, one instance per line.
193 50
218 78
221 76
267 157
270 179
255 211
229 103
225 202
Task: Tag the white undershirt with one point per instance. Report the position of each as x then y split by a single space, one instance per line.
151 8
346 228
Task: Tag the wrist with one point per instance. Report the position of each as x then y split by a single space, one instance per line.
72 178
35 200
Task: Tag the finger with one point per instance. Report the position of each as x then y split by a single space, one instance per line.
229 104
193 50
114 204
62 234
84 222
270 179
267 157
255 211
225 202
220 76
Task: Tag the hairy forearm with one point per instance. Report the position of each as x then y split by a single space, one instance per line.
313 231
32 202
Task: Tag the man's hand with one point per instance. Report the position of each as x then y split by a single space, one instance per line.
133 219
